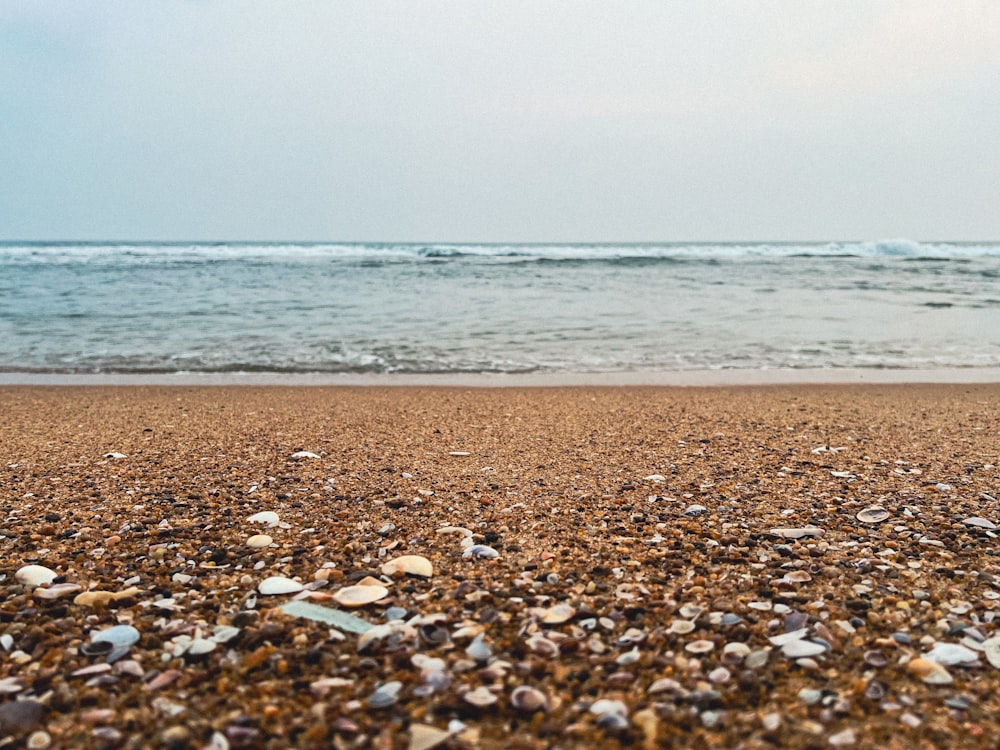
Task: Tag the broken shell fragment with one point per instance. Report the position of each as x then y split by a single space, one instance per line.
480 697
874 514
299 455
360 595
425 737
797 533
268 517
480 551
412 565
558 614
929 672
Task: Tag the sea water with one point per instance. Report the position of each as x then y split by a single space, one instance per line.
476 308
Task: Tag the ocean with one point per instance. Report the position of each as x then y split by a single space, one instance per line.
223 307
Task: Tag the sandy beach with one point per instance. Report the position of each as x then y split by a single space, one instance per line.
795 566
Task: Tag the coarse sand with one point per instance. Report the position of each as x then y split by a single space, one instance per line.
609 566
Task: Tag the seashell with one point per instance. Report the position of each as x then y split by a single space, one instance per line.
691 611
655 478
539 644
360 595
265 516
459 453
455 530
873 514
796 576
93 598
529 699
802 648
981 523
40 740
991 648
480 551
299 455
929 672
681 627
114 455
797 533
481 697
35 575
386 695
876 659
605 707
699 647
412 565
279 585
224 633
425 737
558 614
695 510
259 541
951 654
56 591
479 649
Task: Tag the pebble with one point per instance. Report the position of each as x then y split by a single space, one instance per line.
19 715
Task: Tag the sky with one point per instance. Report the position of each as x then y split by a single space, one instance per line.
503 121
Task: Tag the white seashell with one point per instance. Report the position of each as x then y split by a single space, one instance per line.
479 649
802 648
480 551
951 654
224 633
797 533
655 478
699 647
425 737
413 565
874 514
459 453
386 695
278 585
991 647
558 614
681 627
298 455
793 635
455 530
265 516
35 575
982 523
360 595
604 707
259 541
480 697
114 455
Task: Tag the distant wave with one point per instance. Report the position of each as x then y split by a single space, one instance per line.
213 252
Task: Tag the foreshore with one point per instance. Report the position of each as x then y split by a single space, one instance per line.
757 566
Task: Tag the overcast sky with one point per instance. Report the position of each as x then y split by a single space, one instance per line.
500 121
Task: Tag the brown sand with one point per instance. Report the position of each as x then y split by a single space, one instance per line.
556 480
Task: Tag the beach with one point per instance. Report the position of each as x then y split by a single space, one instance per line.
614 566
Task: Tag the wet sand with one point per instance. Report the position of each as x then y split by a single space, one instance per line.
675 567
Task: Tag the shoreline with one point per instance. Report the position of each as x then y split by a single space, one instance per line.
669 378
